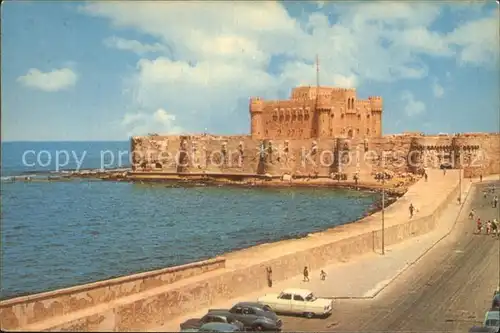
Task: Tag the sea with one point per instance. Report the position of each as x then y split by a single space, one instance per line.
60 234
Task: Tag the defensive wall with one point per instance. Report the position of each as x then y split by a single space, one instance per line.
150 299
244 157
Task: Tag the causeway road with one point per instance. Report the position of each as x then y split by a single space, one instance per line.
448 290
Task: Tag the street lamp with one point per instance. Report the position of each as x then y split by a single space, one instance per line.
383 219
383 213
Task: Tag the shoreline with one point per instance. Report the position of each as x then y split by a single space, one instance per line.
189 180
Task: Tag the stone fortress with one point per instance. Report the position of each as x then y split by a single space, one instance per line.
317 112
320 132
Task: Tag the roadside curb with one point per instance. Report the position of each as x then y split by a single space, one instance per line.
472 188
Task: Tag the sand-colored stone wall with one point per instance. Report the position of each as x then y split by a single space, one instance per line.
20 312
476 153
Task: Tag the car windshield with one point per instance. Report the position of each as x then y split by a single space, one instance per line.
310 298
492 322
267 309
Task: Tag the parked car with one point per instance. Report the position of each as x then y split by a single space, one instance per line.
219 327
255 316
495 303
492 318
224 317
297 301
190 330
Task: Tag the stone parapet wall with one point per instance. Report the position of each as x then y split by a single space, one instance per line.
410 152
21 312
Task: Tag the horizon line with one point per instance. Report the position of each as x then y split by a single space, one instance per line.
128 139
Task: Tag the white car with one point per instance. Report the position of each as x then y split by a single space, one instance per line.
297 301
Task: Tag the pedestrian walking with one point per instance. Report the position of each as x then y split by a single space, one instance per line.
269 272
488 227
471 214
322 275
479 226
494 227
495 201
306 274
411 208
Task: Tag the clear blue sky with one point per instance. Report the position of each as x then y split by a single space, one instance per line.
107 70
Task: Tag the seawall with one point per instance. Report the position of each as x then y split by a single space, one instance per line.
150 299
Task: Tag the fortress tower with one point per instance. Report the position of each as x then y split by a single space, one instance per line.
256 111
376 105
323 108
317 112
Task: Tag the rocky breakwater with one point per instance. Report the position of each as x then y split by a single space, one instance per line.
68 175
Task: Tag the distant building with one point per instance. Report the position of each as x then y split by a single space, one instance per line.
317 112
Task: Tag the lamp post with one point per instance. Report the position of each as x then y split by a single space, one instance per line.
498 288
383 211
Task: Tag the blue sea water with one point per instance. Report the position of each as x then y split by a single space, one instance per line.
60 234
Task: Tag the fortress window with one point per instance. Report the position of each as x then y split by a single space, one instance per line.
367 131
342 116
294 116
357 131
359 116
368 116
306 116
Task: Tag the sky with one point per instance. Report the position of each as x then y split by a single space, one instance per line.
109 70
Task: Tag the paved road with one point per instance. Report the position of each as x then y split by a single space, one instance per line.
449 289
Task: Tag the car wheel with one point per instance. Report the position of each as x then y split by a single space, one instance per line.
258 328
309 315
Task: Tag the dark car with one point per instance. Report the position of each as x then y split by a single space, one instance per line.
219 327
224 317
254 316
495 304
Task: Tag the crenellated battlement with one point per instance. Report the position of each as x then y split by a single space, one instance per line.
256 105
376 103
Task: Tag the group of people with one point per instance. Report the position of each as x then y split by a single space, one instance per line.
269 273
322 274
491 227
488 226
